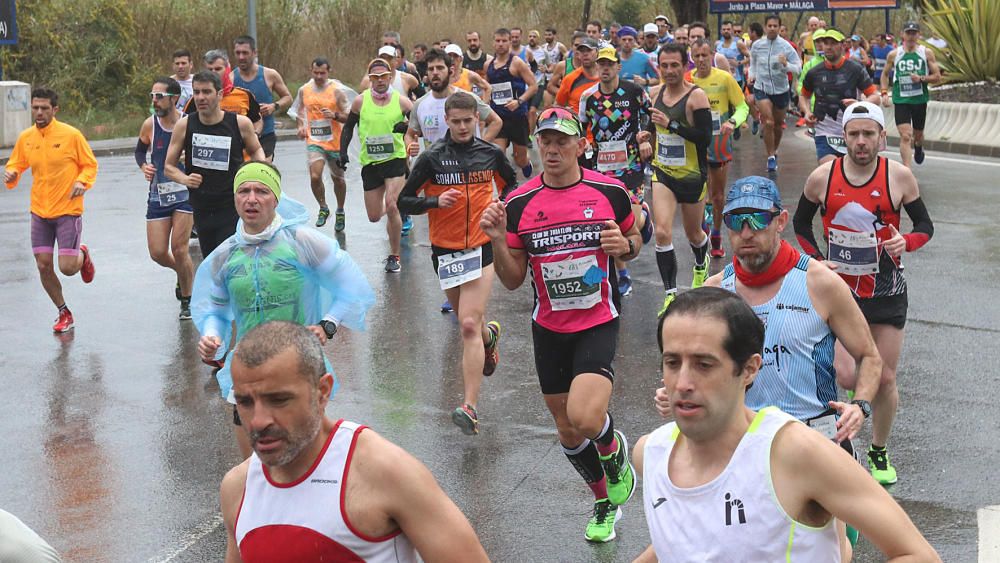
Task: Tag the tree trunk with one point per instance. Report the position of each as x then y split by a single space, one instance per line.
586 14
688 11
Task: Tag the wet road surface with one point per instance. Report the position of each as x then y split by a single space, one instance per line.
115 438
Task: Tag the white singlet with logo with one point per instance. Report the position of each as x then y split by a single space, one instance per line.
734 517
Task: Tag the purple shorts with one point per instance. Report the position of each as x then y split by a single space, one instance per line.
65 229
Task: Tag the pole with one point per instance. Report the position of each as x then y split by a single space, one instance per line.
252 19
888 24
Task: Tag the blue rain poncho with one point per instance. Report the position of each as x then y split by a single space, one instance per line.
294 274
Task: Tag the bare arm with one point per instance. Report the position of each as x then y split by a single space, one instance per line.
522 69
557 75
647 556
284 100
935 71
484 87
493 126
511 265
251 142
722 62
230 496
890 61
170 168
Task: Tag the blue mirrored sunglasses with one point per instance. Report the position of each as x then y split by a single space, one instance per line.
757 220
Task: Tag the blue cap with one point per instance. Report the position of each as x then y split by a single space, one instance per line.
628 31
752 192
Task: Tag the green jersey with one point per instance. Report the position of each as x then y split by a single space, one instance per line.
375 129
904 89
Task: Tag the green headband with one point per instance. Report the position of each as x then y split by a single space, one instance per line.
258 172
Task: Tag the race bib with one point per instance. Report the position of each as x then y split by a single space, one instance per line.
572 284
716 123
380 147
837 143
171 193
460 267
611 156
671 150
502 93
320 130
210 151
855 254
825 425
908 88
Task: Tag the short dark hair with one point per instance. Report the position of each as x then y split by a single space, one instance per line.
551 30
467 33
265 341
421 46
437 54
703 25
701 42
757 28
321 61
727 22
401 49
207 77
593 22
46 94
773 17
182 53
517 28
502 31
673 48
462 101
246 40
744 331
173 87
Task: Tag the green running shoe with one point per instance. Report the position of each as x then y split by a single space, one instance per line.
881 467
618 469
601 527
324 214
341 221
492 349
465 417
700 275
666 303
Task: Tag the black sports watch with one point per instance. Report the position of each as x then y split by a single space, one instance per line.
631 247
330 328
866 407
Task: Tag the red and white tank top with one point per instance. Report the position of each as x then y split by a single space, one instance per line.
856 223
304 520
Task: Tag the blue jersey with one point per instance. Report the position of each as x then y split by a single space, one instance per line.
797 375
258 87
733 54
880 54
638 64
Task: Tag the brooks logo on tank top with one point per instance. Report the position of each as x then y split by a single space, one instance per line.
305 520
797 375
258 87
734 517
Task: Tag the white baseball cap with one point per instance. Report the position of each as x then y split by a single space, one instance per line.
453 49
864 110
650 28
386 50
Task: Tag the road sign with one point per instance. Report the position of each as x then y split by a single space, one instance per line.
8 23
742 6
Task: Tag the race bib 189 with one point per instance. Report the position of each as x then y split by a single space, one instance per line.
460 267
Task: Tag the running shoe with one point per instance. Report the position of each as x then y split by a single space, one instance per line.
324 214
527 171
811 131
736 134
465 418
700 275
647 225
492 349
918 154
881 467
801 122
87 271
601 526
784 125
177 291
194 232
446 306
708 219
666 303
341 221
392 264
624 285
717 251
754 127
185 314
772 163
619 471
407 225
64 323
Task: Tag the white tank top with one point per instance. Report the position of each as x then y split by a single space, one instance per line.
304 520
397 84
734 517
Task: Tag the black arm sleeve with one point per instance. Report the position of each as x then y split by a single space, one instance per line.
802 222
408 201
923 228
701 133
346 134
140 153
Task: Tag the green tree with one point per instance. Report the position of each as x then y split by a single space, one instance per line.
972 30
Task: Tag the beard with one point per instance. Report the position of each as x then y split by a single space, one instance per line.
295 441
160 112
439 86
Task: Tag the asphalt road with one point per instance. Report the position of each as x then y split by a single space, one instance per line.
116 437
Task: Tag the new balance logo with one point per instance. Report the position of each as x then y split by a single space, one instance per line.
659 501
736 503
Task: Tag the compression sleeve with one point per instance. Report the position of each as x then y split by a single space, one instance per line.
346 134
140 152
701 133
408 201
923 228
803 225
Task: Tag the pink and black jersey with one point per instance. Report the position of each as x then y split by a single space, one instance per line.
575 282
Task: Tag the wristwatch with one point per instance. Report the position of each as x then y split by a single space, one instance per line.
330 328
866 407
631 247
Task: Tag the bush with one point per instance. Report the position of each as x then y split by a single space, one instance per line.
972 30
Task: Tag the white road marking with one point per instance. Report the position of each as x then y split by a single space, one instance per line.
989 534
187 540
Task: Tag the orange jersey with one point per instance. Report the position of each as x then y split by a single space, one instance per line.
323 131
572 88
463 81
239 101
58 157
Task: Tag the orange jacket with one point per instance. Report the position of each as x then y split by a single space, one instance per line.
58 156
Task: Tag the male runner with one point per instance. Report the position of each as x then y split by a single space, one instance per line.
273 268
63 169
681 122
213 142
735 51
519 50
463 78
680 36
316 489
636 65
880 52
564 226
729 112
807 41
650 39
380 115
859 198
512 87
594 31
662 24
726 483
613 113
565 67
474 57
699 31
613 37
261 81
835 85
234 99
554 51
582 77
771 59
402 82
168 211
457 175
538 55
913 68
419 51
182 74
325 107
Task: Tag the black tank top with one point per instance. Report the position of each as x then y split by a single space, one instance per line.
215 152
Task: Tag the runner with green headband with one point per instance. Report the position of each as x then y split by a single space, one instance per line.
273 268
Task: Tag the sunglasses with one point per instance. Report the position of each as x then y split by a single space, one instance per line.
559 114
758 220
160 95
379 76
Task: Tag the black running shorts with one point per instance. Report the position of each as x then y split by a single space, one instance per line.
559 357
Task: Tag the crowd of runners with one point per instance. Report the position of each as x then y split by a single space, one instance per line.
630 126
